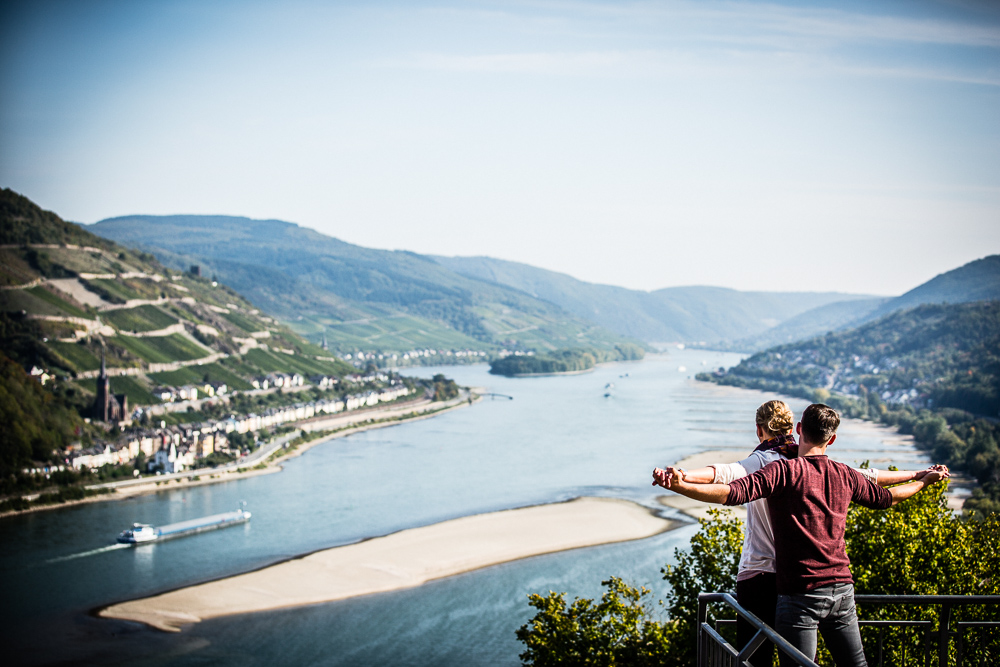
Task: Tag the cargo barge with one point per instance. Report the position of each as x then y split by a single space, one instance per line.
141 533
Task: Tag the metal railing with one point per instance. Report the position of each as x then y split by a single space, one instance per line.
715 651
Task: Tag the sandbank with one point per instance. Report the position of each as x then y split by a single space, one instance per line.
400 560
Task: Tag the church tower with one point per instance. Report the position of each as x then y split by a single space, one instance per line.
102 404
108 407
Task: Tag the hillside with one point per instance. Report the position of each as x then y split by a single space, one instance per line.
978 280
815 322
67 294
676 314
930 356
933 371
360 298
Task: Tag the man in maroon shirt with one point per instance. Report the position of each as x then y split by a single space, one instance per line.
808 497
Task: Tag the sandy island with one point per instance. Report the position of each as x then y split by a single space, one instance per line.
400 560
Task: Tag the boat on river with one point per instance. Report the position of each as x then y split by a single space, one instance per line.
142 533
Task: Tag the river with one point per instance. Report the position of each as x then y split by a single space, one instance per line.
560 437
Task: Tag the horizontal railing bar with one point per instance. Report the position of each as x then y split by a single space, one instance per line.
895 623
977 624
928 599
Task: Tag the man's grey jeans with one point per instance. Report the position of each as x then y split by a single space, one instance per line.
829 609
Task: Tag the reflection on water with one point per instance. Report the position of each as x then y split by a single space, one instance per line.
559 438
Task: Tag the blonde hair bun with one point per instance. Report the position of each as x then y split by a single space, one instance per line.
775 417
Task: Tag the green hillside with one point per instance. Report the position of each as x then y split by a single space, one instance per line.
676 314
21 221
362 299
933 371
814 322
71 294
978 280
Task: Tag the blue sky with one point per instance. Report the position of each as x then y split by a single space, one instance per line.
760 146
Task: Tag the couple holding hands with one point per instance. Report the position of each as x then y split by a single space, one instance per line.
794 573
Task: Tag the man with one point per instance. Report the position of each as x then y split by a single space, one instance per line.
808 497
756 587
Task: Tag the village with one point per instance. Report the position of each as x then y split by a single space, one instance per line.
179 447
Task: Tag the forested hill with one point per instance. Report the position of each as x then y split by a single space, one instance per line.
933 370
21 221
944 355
674 314
978 280
361 298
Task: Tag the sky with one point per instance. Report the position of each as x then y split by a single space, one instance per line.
807 146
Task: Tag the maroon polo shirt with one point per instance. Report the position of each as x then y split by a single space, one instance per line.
807 500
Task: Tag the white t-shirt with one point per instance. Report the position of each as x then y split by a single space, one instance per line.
758 539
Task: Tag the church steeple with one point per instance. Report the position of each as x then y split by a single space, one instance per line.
102 402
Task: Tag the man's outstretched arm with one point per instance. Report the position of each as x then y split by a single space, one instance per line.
674 479
891 477
697 476
904 491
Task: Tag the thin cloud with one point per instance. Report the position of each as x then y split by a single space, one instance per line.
676 63
778 21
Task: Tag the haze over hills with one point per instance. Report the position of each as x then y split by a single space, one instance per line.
978 280
369 298
673 314
726 318
362 298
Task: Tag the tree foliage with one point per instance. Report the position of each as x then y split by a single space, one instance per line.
918 547
34 422
563 361
618 630
444 388
21 221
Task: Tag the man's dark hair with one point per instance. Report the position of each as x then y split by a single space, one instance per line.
819 423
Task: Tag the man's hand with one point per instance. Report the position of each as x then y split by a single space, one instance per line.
933 474
666 476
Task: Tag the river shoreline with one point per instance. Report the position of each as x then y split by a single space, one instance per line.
367 420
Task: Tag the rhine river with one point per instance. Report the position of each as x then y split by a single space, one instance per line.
559 438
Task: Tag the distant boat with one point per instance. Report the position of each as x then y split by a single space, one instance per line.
681 369
607 394
143 533
610 385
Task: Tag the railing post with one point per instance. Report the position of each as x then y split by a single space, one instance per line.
944 621
702 618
